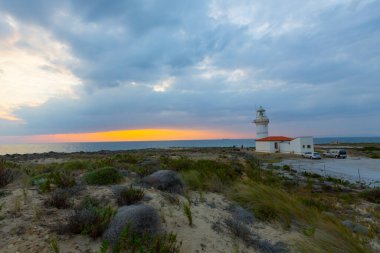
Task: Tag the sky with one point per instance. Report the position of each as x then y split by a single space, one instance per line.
155 70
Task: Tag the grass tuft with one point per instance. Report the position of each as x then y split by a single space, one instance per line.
54 245
187 212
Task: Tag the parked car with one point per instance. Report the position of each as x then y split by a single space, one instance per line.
311 155
315 155
335 153
306 155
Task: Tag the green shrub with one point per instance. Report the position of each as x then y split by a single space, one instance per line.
103 176
286 167
91 218
371 195
105 162
310 175
44 185
6 174
374 156
129 195
63 179
370 149
270 203
59 199
130 242
77 165
127 158
178 164
337 180
210 175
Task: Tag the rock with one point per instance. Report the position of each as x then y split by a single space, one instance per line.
355 227
165 180
143 219
242 215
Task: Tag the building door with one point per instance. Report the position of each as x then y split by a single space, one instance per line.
276 145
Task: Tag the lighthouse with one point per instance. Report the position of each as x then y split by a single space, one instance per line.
261 122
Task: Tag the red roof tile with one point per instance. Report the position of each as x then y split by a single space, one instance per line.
275 138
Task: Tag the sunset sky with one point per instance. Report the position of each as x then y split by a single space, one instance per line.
167 70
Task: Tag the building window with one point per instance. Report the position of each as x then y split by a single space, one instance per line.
308 146
303 146
276 145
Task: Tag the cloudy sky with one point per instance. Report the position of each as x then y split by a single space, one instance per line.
187 69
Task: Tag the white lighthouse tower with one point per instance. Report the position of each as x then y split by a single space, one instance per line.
261 122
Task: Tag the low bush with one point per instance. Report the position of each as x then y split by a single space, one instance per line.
44 185
91 218
127 158
374 156
337 180
63 179
310 175
128 195
239 230
211 175
6 174
103 176
59 198
370 149
371 195
77 165
286 167
270 203
131 242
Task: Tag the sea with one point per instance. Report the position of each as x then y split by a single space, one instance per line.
31 148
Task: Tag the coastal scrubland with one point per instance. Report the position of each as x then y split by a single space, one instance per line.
180 200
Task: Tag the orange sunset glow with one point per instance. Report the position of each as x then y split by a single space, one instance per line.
131 135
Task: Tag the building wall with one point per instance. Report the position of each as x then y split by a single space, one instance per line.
265 146
296 146
302 144
285 147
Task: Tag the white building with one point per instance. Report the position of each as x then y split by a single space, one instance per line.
278 144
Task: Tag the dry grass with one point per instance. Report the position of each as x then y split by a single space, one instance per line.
273 204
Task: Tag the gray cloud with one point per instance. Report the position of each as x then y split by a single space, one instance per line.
305 61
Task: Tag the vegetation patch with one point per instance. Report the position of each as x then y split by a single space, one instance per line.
103 176
59 198
370 149
63 179
91 218
210 175
371 195
6 174
128 195
131 242
273 204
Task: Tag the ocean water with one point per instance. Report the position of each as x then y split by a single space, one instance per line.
97 146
